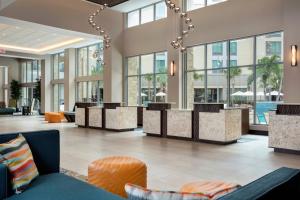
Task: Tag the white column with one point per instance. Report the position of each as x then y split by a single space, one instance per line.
46 100
69 79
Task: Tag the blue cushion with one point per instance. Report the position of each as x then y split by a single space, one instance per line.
61 187
3 179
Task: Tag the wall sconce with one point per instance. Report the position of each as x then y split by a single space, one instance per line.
294 55
172 68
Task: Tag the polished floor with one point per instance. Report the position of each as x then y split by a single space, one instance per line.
171 163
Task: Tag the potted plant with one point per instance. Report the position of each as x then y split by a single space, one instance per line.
37 94
15 92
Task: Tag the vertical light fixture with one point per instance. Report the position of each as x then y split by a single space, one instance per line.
294 49
172 68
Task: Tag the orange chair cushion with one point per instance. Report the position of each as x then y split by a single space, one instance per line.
62 115
54 118
211 189
113 173
47 116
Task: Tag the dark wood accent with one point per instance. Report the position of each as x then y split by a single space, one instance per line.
179 138
153 135
70 116
110 3
214 108
86 107
120 130
159 106
288 151
245 120
288 109
111 105
140 111
162 107
218 142
257 132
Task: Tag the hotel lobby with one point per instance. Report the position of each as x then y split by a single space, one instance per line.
149 100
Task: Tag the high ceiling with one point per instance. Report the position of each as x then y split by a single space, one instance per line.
110 3
20 36
133 4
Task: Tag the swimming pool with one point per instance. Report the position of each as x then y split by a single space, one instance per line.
264 107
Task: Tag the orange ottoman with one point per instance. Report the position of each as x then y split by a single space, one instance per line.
210 189
113 173
47 116
54 118
62 115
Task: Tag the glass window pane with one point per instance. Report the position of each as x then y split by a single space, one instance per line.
161 87
269 80
217 55
241 88
35 71
194 4
95 66
61 65
24 72
270 45
195 88
147 64
147 14
216 86
82 62
147 89
133 65
61 102
161 62
196 58
133 18
55 97
29 72
212 2
55 67
133 90
241 52
82 92
160 10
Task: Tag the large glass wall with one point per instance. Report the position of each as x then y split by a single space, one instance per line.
58 66
30 71
147 79
147 14
89 88
195 4
58 97
246 72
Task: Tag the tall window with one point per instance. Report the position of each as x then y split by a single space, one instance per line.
147 79
147 14
58 97
30 71
89 81
58 66
195 4
239 77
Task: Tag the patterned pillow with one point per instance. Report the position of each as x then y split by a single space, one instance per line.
138 193
17 156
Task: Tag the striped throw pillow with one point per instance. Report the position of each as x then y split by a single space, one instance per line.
17 156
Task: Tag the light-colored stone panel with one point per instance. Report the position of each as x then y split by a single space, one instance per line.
121 118
151 122
284 131
95 117
179 123
80 116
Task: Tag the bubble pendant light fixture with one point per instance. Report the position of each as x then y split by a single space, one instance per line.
102 32
188 26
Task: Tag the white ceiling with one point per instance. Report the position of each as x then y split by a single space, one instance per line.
133 5
26 37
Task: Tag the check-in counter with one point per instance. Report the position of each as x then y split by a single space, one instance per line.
179 124
155 119
121 118
284 129
95 117
214 124
82 113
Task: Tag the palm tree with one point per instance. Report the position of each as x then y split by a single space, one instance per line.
232 74
149 79
269 73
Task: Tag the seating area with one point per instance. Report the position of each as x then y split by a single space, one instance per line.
149 100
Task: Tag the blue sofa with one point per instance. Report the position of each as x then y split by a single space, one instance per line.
50 185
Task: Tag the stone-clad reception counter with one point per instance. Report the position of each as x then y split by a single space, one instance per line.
112 116
81 113
206 123
284 129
